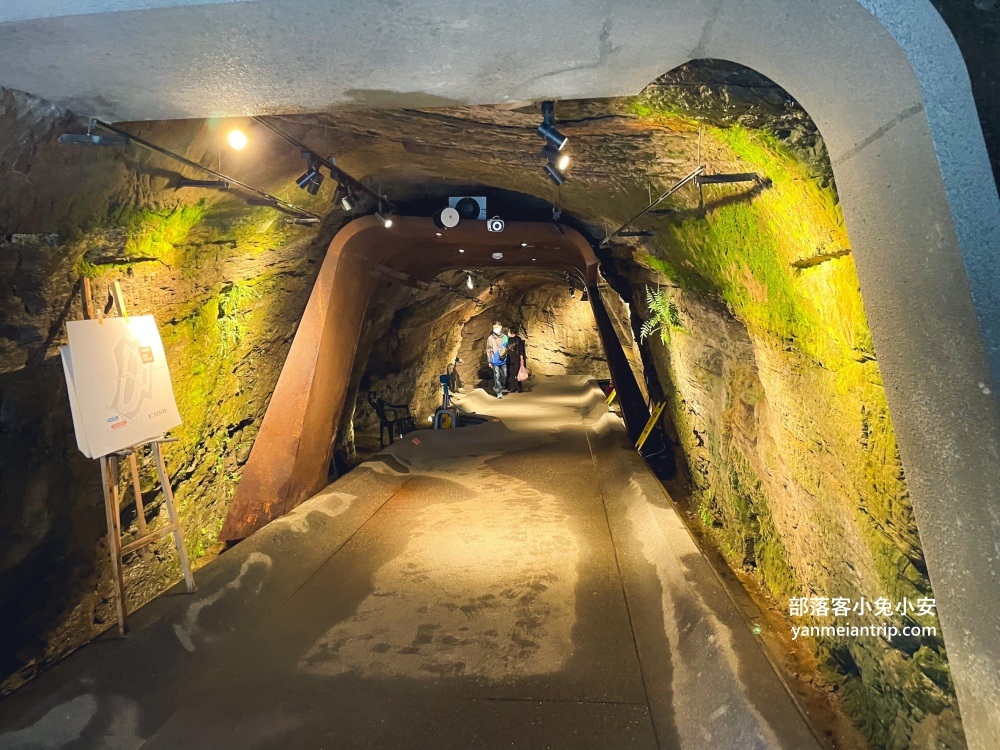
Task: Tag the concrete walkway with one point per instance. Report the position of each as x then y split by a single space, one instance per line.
520 584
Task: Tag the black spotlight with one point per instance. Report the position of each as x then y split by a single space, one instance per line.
558 159
312 178
316 181
304 180
548 129
554 174
554 144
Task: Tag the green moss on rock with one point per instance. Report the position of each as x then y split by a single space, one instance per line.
778 403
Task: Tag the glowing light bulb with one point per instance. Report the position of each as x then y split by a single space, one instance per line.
468 281
563 162
237 139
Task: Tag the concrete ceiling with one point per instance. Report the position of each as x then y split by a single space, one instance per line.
161 59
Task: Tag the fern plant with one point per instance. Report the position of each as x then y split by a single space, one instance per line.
664 315
232 299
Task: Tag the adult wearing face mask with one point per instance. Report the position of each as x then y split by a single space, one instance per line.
496 354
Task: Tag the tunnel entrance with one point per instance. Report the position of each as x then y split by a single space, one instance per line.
757 340
294 448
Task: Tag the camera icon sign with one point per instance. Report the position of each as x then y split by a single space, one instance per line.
495 224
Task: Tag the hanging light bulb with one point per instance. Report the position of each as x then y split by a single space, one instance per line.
237 139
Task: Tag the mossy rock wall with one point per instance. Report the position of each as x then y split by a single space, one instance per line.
762 348
227 284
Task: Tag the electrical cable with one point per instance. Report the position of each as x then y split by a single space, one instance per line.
272 199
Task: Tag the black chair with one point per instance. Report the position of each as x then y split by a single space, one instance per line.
394 417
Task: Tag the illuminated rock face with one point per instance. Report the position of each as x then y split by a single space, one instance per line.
761 345
405 349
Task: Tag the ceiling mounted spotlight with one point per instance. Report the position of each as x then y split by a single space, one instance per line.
554 174
560 160
497 256
311 179
555 142
547 129
314 184
382 215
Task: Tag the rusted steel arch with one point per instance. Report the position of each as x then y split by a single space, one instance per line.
291 454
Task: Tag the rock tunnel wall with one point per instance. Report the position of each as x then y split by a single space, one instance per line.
226 286
760 343
410 338
756 329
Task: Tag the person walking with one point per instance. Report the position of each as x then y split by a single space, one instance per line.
516 359
496 354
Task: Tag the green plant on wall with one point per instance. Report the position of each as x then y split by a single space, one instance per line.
233 300
664 315
86 269
156 232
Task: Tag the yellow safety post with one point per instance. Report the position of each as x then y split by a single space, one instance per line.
653 419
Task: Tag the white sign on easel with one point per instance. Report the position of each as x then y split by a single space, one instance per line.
121 397
119 384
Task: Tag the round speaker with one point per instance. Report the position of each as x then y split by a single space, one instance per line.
468 208
448 218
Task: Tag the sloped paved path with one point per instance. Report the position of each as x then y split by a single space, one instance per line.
520 584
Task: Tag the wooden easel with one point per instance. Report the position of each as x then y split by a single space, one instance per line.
110 474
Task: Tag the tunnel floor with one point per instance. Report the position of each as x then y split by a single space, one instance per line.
520 584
